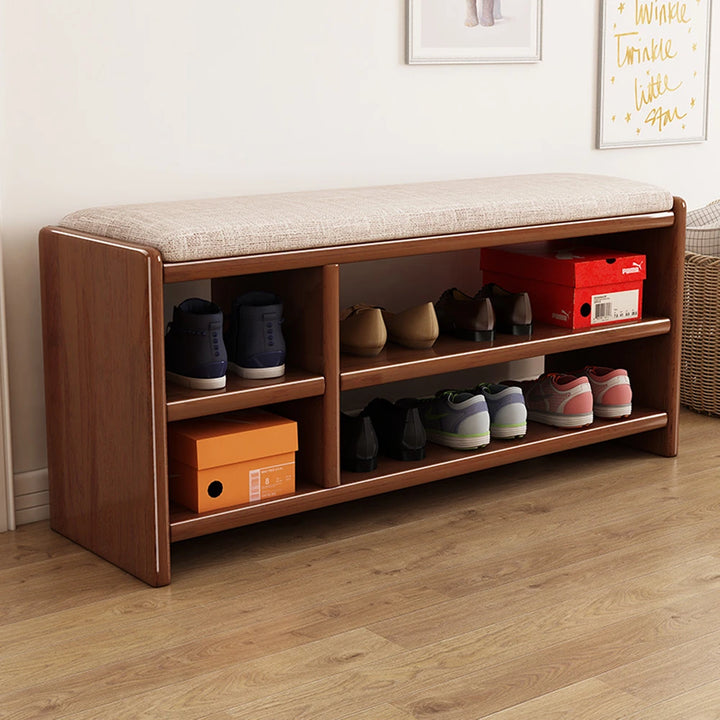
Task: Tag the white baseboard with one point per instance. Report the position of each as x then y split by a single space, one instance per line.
32 514
31 496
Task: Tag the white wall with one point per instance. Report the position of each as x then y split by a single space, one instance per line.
114 101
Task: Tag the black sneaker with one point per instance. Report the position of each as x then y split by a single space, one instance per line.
255 341
358 443
195 354
398 427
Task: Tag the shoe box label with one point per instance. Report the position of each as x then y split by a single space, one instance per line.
271 481
610 307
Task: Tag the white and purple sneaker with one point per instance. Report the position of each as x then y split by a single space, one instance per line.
506 405
456 419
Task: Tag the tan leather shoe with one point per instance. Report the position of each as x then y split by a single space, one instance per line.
417 327
362 330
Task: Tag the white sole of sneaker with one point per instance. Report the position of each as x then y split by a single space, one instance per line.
508 432
561 421
612 411
257 373
197 383
472 442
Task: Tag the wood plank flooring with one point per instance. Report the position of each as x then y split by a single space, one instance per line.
585 585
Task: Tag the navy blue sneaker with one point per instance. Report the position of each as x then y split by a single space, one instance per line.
255 341
195 354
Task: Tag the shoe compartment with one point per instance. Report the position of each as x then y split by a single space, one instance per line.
280 463
403 283
231 459
406 289
310 344
301 295
631 356
402 434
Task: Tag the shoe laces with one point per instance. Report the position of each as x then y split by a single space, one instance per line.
268 323
185 331
455 396
561 378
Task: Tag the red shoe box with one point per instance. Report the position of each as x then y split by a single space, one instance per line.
570 286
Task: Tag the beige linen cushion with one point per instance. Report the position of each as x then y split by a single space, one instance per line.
236 226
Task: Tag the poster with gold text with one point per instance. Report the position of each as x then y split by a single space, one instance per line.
653 72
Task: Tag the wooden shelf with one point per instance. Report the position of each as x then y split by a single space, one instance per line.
183 403
449 354
440 462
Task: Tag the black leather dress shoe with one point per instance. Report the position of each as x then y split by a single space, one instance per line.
513 313
399 429
358 443
465 317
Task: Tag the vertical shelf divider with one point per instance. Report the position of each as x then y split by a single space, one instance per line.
331 363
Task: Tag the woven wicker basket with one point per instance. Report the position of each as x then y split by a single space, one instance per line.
700 358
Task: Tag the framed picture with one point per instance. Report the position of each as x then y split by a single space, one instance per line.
653 83
473 31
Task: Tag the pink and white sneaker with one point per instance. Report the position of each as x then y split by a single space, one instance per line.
612 394
559 399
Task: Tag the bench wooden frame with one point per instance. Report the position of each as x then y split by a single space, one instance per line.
107 403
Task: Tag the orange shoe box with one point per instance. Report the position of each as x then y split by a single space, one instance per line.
232 459
574 287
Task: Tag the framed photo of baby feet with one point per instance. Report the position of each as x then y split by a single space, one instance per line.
474 31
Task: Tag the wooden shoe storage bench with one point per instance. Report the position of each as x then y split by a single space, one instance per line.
108 404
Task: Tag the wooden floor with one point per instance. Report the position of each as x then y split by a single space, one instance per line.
584 585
